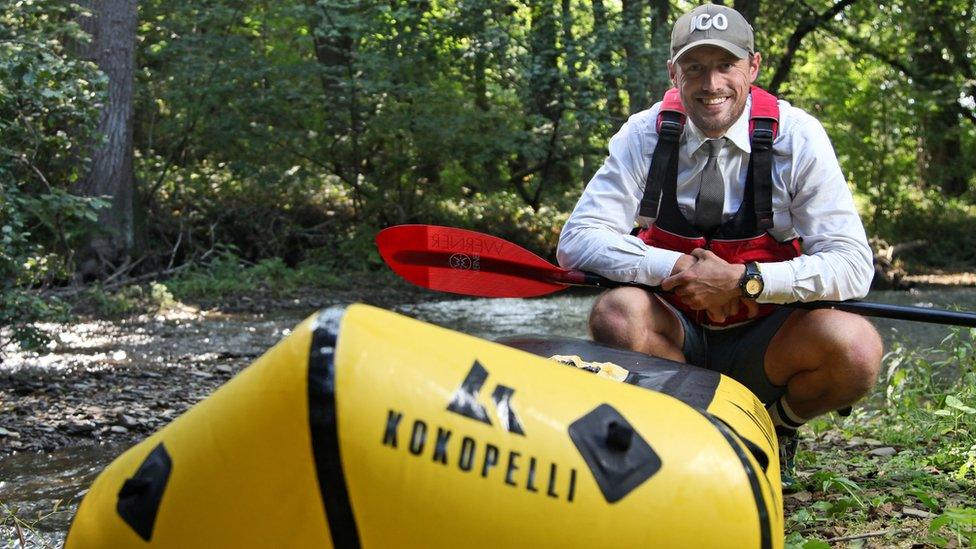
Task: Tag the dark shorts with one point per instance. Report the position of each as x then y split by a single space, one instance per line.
737 352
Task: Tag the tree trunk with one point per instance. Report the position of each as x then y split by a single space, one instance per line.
633 36
749 9
659 81
604 58
940 123
807 25
544 80
332 26
476 14
112 25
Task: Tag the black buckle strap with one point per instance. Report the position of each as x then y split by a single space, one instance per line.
670 129
664 161
762 138
761 141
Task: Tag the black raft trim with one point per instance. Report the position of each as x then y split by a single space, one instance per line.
324 425
765 526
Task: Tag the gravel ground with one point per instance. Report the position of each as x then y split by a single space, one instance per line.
115 381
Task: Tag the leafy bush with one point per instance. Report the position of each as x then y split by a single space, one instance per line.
506 216
228 275
48 112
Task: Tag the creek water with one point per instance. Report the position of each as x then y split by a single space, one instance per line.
43 490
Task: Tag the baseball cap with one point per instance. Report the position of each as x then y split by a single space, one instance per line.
712 25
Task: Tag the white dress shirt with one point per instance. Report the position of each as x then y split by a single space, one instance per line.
811 200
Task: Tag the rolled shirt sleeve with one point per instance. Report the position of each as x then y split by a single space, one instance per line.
837 262
597 236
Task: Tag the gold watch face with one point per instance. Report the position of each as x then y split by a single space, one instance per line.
753 287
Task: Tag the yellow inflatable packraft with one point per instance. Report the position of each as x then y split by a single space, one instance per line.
367 428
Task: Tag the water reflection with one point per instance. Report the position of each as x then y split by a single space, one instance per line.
566 315
43 491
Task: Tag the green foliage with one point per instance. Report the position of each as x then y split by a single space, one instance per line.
934 400
925 408
957 525
504 215
945 225
227 275
48 109
296 130
130 299
255 134
796 541
28 531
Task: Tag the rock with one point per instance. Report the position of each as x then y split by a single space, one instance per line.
803 496
118 429
223 368
918 513
79 427
8 433
128 421
886 451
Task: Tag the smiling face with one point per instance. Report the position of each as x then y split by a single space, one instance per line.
714 85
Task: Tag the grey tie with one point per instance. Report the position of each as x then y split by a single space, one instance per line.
711 197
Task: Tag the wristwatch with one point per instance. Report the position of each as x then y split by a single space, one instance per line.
751 282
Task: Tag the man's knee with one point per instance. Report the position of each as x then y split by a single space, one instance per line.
616 313
863 356
843 348
855 352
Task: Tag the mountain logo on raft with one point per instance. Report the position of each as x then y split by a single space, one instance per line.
465 401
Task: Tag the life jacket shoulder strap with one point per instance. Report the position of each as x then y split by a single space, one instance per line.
664 163
763 128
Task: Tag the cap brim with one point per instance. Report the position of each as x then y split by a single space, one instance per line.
725 45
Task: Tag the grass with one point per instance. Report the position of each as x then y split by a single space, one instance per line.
227 275
902 469
22 532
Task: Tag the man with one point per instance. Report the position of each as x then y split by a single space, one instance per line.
730 225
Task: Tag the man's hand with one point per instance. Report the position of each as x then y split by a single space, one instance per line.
710 284
683 264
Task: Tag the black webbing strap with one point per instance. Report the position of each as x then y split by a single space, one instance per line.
664 161
762 171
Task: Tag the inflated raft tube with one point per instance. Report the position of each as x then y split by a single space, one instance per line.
367 428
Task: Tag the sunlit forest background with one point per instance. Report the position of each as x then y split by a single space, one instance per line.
141 140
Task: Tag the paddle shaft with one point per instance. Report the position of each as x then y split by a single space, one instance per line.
866 308
470 263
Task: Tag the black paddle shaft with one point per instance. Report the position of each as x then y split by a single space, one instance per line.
880 310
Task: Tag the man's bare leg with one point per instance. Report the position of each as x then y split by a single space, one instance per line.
827 359
631 318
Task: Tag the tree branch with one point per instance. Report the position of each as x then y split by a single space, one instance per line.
805 27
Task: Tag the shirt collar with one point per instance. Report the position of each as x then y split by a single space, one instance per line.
738 134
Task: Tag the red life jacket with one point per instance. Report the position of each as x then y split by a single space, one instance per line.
742 238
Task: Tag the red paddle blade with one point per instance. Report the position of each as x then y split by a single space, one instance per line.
466 262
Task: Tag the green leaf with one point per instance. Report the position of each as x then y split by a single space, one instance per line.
954 402
926 499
